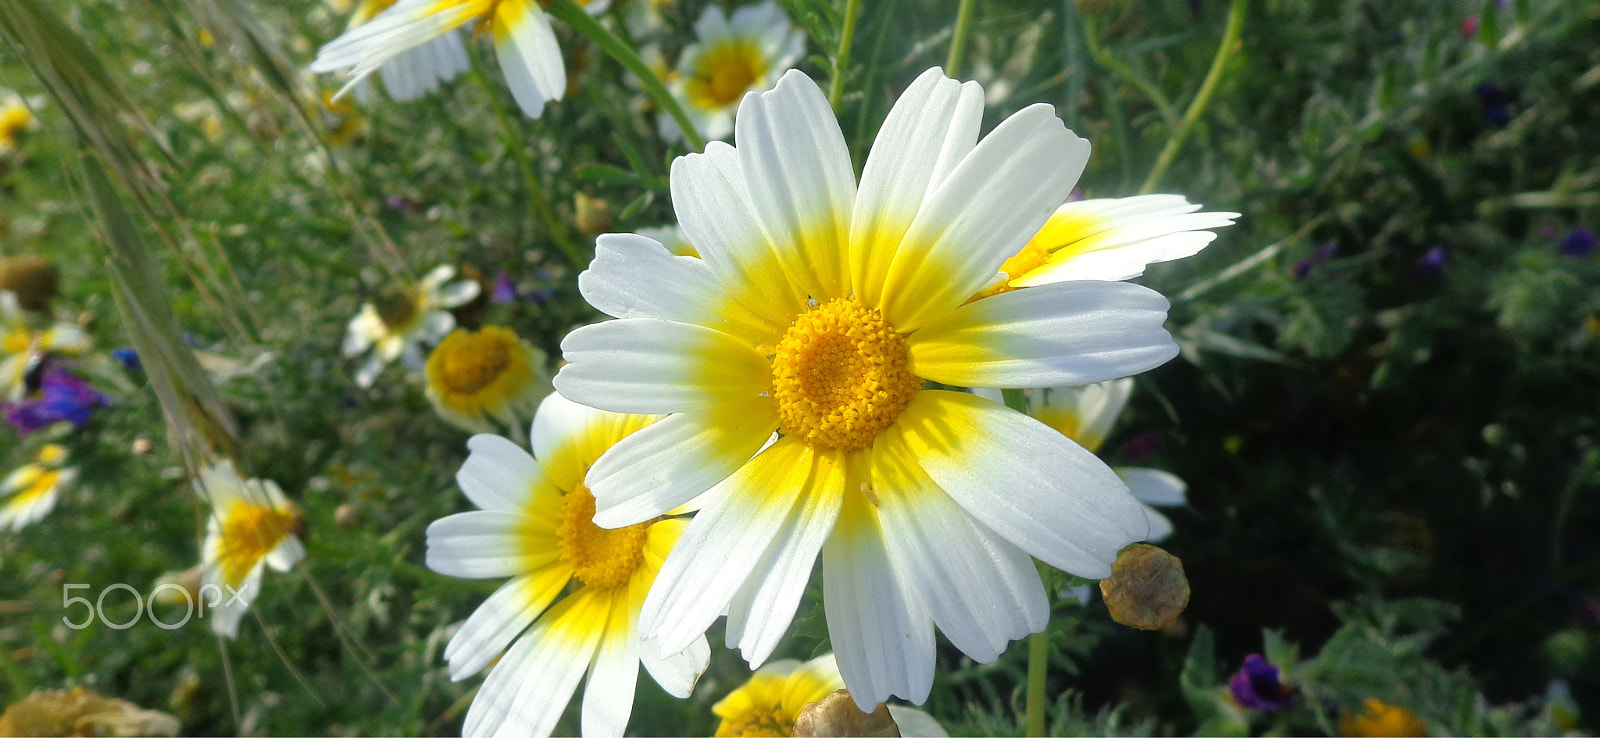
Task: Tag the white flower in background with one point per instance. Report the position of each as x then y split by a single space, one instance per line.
1087 415
529 55
770 702
819 310
478 378
30 493
419 71
20 341
730 57
403 323
252 525
535 524
1110 239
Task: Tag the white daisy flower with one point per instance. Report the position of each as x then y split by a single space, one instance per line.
819 310
252 525
419 71
478 378
30 492
730 57
535 524
1086 415
20 341
524 41
1110 239
399 328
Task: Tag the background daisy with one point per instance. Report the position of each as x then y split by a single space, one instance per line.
730 57
252 525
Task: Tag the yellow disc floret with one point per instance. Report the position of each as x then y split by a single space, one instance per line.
467 361
771 722
840 375
599 557
249 533
724 73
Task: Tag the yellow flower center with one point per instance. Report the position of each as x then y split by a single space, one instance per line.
599 557
14 119
771 722
724 73
470 361
249 533
840 375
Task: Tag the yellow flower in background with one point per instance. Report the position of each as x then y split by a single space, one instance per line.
476 376
252 525
417 72
1110 239
524 41
20 340
730 57
16 119
1086 415
820 309
398 325
535 524
770 702
1379 719
30 493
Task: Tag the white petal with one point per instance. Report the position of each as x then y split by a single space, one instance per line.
564 438
225 606
1115 239
528 690
667 464
1153 486
677 673
723 544
980 590
1022 480
798 172
1160 526
608 693
716 215
481 544
286 554
635 277
931 127
882 637
761 612
498 474
529 54
641 365
983 213
1068 333
914 723
498 620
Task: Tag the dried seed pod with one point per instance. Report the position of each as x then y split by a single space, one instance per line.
837 715
1147 588
34 279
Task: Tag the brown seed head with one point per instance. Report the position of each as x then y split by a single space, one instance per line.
1147 588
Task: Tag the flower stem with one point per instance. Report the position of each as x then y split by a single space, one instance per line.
841 61
1038 662
530 177
1202 99
958 41
569 12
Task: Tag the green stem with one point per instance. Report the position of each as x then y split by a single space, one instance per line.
1038 662
530 177
841 61
1230 39
958 41
569 12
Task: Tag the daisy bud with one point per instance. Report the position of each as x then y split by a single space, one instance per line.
837 714
1147 588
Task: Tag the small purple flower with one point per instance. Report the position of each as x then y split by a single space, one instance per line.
1142 445
1258 685
1497 101
62 396
1580 242
505 291
1075 195
1326 252
128 358
1469 26
1433 263
403 204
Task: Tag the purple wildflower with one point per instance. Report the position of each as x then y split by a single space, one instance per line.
505 291
1432 263
1497 101
1258 685
1326 252
129 359
62 396
1580 242
1142 445
403 204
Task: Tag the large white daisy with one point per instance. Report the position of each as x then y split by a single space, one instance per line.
822 310
535 524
